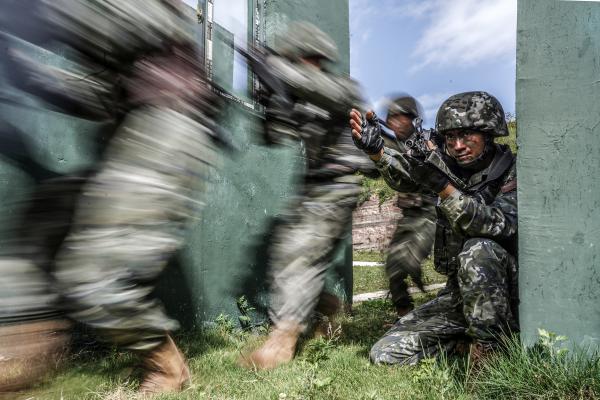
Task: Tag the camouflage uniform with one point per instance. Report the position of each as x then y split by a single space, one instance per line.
475 244
411 243
320 213
136 67
412 240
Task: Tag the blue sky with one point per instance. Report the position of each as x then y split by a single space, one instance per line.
433 49
428 48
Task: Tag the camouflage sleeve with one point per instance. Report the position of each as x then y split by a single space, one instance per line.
78 92
279 126
394 170
471 216
336 94
109 30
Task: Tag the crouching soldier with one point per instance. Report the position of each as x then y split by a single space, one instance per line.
476 237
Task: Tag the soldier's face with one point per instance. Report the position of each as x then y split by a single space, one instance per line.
402 125
464 146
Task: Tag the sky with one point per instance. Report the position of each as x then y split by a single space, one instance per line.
432 49
233 16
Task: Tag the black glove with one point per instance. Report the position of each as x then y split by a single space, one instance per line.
370 140
427 175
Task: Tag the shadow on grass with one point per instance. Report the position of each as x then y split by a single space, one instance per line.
196 343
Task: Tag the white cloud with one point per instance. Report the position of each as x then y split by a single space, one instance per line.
430 103
465 32
430 100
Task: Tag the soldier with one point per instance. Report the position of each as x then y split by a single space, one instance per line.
136 67
317 217
476 236
413 238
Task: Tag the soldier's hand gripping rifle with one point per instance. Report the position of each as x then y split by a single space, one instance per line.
424 147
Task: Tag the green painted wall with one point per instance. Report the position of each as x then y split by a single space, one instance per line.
332 16
558 113
225 253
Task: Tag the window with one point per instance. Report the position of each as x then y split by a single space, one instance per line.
229 22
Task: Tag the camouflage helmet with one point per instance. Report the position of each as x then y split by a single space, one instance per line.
404 104
304 40
478 111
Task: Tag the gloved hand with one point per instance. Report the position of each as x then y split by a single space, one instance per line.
427 175
366 133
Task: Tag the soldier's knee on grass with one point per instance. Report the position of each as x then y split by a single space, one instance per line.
397 349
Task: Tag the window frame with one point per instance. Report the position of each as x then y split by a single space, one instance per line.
255 35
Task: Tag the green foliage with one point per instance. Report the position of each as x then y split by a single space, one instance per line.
224 324
246 311
511 139
377 187
319 349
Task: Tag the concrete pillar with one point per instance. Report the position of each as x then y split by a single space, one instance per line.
558 117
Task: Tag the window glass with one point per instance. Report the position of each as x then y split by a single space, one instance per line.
230 25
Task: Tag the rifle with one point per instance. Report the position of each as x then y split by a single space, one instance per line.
257 59
418 148
417 144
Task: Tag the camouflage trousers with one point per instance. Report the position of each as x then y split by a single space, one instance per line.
130 219
479 303
411 244
304 245
27 258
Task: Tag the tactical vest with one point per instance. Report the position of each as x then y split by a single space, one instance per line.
449 243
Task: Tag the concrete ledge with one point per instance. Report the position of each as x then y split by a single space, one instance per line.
367 264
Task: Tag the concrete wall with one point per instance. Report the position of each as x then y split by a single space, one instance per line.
225 254
558 111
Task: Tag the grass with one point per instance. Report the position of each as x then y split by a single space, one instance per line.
337 368
372 279
375 186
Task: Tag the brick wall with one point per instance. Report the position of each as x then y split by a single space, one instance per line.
373 224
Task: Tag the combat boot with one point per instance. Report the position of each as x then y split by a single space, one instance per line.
29 351
326 310
403 309
166 369
479 353
278 349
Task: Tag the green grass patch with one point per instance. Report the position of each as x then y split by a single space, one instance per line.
370 256
337 368
372 279
369 279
